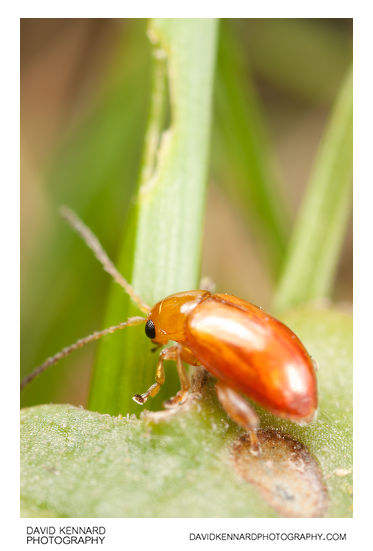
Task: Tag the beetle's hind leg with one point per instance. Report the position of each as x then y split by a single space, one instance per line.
241 412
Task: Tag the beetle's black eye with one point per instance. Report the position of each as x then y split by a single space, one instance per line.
150 329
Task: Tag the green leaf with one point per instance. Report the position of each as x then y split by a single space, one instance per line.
162 243
77 463
318 234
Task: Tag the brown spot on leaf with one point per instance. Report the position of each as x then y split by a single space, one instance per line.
286 474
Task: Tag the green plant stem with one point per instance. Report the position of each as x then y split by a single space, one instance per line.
317 239
162 243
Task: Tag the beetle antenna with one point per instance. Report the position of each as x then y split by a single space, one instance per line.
93 243
79 344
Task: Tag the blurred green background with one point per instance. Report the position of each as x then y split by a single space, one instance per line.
85 90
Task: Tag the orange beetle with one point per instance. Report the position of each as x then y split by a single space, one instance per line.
246 349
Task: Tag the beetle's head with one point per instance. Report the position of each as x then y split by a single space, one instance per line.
166 320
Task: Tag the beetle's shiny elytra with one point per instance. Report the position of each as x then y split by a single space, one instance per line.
247 350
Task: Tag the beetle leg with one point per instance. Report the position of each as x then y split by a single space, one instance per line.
170 353
241 412
184 380
159 379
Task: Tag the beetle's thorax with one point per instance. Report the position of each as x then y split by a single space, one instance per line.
169 315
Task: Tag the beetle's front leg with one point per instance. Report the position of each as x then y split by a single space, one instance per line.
170 353
240 411
159 379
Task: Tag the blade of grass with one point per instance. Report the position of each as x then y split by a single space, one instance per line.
242 145
315 246
162 242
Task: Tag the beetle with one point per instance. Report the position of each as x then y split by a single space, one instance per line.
251 353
